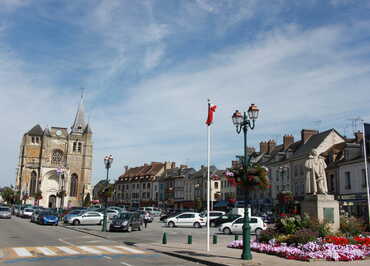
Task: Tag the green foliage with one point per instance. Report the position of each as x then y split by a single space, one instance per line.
352 226
8 194
266 235
323 229
302 236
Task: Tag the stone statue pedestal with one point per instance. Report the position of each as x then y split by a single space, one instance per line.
322 207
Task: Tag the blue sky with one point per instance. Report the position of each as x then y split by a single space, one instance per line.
148 68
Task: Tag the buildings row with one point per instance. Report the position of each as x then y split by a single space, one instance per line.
165 184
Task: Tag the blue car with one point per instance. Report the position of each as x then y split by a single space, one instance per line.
48 217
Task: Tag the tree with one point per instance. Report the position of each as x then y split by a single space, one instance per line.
87 200
7 193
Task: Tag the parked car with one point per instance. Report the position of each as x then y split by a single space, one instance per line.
223 219
71 214
35 215
236 226
119 209
213 214
5 213
47 217
19 211
170 213
153 210
126 221
89 217
110 212
187 219
27 212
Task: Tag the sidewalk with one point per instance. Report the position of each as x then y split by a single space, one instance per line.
219 254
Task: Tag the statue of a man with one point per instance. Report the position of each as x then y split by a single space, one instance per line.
315 174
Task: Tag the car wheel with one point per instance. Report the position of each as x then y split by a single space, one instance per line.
171 224
196 225
258 231
100 222
76 222
227 231
56 224
213 224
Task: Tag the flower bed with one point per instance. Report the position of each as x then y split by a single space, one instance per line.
319 249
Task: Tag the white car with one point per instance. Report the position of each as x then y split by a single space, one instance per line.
154 211
236 226
89 217
213 214
27 212
187 219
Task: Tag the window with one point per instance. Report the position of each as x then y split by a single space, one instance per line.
347 180
186 216
143 195
331 182
239 221
74 184
295 170
138 186
253 220
33 140
363 178
301 170
79 146
57 157
33 183
216 185
148 185
277 175
143 185
74 146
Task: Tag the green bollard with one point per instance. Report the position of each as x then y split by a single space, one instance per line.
190 239
214 239
164 238
236 237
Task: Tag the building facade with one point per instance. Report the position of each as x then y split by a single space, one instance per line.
55 164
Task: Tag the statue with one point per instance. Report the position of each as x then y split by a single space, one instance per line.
315 174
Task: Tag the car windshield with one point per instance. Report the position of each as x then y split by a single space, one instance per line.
28 210
4 209
125 215
75 212
48 213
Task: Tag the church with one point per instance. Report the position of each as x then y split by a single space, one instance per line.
55 164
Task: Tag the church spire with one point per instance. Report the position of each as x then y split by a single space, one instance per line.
79 124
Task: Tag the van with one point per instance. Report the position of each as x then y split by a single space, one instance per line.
154 211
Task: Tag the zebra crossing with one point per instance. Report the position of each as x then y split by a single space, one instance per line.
53 251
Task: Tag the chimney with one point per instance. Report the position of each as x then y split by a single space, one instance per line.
271 145
182 166
126 168
359 136
287 141
263 147
250 150
307 133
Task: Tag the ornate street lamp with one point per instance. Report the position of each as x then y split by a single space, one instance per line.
61 187
242 122
108 160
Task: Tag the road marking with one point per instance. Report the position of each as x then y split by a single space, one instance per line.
90 250
22 252
65 242
68 250
124 263
135 251
109 249
108 258
46 251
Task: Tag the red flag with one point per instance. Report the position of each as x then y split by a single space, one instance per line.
211 110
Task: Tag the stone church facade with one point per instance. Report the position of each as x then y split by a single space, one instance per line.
55 164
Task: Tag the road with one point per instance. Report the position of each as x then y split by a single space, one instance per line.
25 243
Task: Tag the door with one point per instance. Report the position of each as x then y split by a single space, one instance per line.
52 201
185 220
237 226
253 223
93 217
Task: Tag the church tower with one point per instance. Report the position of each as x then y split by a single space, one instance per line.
55 164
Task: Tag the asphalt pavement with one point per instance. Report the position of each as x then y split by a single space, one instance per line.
26 243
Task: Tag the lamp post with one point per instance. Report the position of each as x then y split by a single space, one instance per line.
242 123
61 186
108 160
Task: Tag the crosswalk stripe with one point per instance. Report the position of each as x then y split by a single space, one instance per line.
68 250
22 252
136 251
109 249
46 251
90 250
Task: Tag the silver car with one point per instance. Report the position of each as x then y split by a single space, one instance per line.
5 213
89 217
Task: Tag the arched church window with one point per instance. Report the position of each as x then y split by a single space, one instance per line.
79 147
57 157
74 146
33 182
74 183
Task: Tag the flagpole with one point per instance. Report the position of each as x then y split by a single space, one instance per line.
366 173
208 176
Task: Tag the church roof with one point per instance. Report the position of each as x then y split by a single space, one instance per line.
79 124
35 131
88 129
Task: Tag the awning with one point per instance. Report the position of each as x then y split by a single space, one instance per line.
221 203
